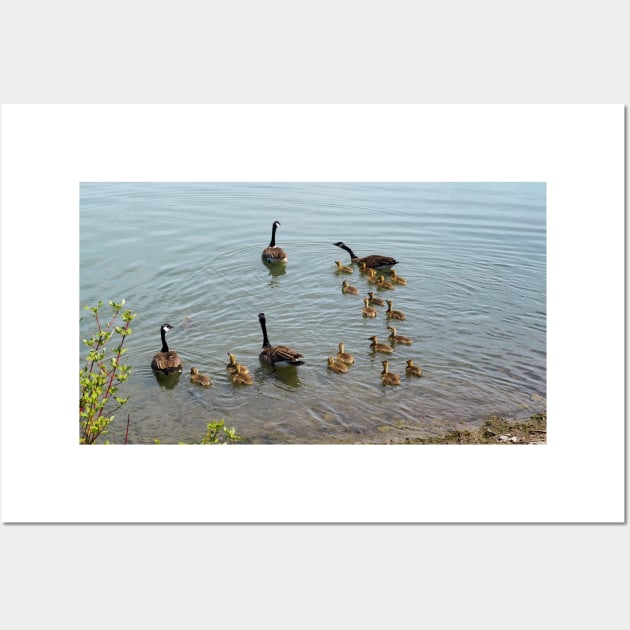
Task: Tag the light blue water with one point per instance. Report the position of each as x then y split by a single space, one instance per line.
188 254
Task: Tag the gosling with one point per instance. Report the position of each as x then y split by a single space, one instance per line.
390 313
387 377
199 379
379 347
381 283
343 356
231 366
412 370
375 300
240 377
396 279
346 287
399 338
367 310
343 269
336 366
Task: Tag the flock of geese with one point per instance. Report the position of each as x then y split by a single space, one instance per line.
168 362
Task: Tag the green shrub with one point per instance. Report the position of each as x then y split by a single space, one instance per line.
102 373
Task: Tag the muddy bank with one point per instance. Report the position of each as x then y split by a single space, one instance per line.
493 431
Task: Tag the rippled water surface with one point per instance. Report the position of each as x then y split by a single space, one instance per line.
474 256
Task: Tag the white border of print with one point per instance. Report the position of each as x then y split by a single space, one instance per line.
578 476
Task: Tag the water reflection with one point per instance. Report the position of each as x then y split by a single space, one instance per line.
167 381
275 269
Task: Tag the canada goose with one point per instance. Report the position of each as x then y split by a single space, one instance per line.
413 370
374 260
343 269
241 376
166 360
367 310
375 300
381 283
396 279
392 314
231 366
379 347
346 287
389 378
278 356
343 356
335 366
200 379
273 254
372 278
399 338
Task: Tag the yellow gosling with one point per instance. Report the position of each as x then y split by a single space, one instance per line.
343 356
337 367
346 287
396 279
390 313
399 338
412 370
367 310
199 379
379 347
343 269
387 377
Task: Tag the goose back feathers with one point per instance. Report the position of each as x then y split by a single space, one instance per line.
277 356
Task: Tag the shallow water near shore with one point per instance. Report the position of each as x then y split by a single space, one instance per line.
189 254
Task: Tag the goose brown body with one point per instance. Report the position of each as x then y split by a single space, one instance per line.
166 361
277 356
375 261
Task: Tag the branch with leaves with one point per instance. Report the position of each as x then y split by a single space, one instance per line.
100 377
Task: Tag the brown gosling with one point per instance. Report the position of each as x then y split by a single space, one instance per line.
391 313
399 338
363 268
413 370
343 356
346 287
379 347
231 366
375 300
367 310
343 269
372 278
200 379
383 284
240 377
335 366
396 279
389 378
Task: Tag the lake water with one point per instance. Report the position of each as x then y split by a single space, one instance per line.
474 256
